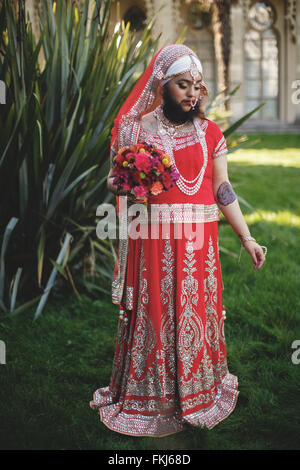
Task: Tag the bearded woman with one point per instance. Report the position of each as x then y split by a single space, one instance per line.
170 365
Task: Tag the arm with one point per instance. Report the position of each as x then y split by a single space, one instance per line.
228 203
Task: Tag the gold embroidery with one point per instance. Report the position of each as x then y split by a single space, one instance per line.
144 338
159 380
167 332
210 290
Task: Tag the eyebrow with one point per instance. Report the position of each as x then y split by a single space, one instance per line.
185 80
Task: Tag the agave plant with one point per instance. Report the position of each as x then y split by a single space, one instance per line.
63 92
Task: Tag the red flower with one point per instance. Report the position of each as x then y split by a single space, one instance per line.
136 177
129 156
160 167
142 162
146 182
139 191
120 159
166 179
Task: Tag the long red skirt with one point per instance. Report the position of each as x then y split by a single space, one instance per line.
170 365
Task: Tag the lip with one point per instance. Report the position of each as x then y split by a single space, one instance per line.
187 101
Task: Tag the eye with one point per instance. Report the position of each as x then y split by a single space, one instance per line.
184 87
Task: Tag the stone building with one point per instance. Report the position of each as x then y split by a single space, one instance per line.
254 44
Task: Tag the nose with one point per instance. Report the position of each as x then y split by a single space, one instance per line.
191 91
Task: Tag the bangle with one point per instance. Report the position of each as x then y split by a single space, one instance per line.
245 239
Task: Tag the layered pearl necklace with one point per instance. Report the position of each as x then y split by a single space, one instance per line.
167 131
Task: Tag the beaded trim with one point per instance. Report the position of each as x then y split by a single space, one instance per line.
181 213
182 182
221 148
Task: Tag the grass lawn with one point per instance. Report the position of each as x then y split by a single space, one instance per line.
54 365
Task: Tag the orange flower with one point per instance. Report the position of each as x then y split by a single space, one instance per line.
156 188
122 149
166 160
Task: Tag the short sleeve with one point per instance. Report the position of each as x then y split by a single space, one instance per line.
220 143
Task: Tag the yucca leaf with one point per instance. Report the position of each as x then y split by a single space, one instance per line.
15 289
41 254
52 277
59 268
12 134
25 306
239 122
7 234
58 192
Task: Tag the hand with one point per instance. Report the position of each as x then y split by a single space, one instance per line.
131 197
256 253
134 199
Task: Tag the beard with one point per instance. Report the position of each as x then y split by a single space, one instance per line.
174 112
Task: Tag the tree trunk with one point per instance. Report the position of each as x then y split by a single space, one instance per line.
222 41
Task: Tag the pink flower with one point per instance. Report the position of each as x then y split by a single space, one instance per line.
142 162
139 191
156 188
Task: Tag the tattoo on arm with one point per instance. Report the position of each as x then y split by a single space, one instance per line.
225 194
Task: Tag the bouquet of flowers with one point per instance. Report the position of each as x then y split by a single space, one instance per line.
143 170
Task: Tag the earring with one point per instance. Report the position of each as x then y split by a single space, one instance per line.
193 106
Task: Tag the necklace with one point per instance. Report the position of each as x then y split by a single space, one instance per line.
166 135
171 127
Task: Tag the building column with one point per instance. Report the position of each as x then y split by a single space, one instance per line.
165 20
296 80
288 65
236 66
31 10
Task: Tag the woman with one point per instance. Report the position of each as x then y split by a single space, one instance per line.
170 367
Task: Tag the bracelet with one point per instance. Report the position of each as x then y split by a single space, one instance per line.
245 239
264 248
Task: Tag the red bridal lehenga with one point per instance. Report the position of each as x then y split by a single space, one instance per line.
170 365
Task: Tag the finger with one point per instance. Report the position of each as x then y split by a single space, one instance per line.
260 259
254 259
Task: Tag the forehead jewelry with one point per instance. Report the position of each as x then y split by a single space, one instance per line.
194 70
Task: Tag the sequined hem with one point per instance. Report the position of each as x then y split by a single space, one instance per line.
161 425
223 406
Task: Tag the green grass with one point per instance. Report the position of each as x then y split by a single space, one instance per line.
54 365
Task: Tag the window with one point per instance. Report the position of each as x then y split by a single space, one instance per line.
199 37
261 62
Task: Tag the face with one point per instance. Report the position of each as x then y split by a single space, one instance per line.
179 94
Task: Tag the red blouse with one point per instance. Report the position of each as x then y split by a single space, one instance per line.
189 157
